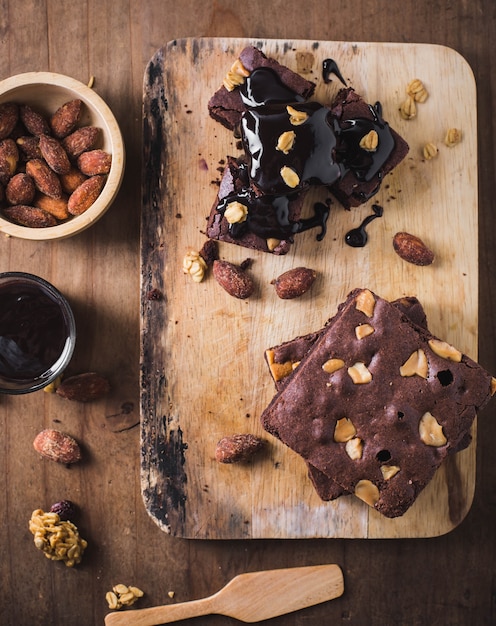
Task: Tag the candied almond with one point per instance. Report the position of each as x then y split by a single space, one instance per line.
94 162
294 282
84 387
9 157
55 206
71 181
85 195
80 140
66 117
20 189
29 216
54 154
412 249
34 122
238 448
233 279
57 446
9 114
45 179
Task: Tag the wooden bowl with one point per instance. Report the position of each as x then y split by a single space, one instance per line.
46 92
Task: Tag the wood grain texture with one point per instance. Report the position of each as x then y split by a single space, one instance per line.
436 581
203 372
283 590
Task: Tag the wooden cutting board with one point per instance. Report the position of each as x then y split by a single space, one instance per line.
203 371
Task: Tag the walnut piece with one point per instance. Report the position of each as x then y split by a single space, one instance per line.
417 90
430 151
453 136
333 365
272 243
444 350
278 370
363 330
194 265
354 448
58 539
388 471
408 109
122 595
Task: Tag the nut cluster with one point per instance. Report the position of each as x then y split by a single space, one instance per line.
453 136
194 265
122 595
50 168
235 76
416 93
430 151
58 539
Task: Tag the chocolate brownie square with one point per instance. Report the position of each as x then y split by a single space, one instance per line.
364 171
259 230
284 358
378 402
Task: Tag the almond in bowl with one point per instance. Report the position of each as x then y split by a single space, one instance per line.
59 135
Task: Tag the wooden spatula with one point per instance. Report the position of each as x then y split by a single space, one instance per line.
250 597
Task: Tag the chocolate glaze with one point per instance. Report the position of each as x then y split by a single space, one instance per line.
312 157
357 237
268 215
323 152
364 164
329 66
264 88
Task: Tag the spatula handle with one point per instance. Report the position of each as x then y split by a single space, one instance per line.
160 614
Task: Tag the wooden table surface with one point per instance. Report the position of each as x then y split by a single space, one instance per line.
445 580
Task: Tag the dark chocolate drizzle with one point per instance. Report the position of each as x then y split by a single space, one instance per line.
264 88
357 237
364 164
329 66
324 150
312 157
